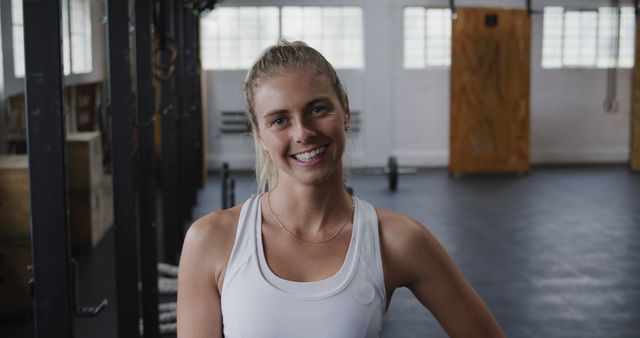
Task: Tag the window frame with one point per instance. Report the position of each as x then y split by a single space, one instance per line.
598 62
280 35
66 40
425 34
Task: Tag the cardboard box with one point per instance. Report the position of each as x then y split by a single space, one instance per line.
14 197
84 161
15 292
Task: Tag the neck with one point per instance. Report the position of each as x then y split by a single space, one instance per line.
311 208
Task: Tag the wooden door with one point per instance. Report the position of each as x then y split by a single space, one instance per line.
489 130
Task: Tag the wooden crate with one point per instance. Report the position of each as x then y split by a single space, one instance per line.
84 161
107 197
15 295
90 215
14 118
14 197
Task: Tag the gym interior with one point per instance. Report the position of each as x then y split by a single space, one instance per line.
511 129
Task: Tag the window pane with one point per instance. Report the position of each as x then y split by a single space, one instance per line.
335 31
627 37
18 38
66 55
552 37
427 37
233 37
588 38
80 31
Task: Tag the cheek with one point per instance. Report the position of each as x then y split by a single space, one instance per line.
272 143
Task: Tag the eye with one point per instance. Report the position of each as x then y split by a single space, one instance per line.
278 121
319 109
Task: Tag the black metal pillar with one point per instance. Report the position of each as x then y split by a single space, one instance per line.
47 179
190 22
166 74
199 170
181 116
146 153
121 104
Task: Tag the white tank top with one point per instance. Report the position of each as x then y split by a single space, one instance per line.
256 303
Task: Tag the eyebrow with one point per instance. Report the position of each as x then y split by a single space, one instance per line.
277 112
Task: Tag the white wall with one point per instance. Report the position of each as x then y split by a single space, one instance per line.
406 112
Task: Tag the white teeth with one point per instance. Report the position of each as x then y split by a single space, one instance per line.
310 155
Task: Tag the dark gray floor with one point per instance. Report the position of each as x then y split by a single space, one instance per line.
555 253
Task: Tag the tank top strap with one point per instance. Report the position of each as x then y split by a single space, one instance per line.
370 253
244 244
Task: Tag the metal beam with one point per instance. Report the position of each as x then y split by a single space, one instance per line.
181 114
171 222
146 156
53 308
121 104
190 148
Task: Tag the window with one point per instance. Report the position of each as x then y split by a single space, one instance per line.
80 36
427 37
588 38
233 37
335 31
76 37
18 38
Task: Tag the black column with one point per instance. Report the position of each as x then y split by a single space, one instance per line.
191 22
47 178
199 171
172 223
122 114
181 117
146 112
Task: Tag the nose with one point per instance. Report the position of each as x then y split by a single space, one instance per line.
303 131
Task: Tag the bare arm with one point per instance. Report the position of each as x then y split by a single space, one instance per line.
205 253
415 259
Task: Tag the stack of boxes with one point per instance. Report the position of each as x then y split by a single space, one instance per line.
90 205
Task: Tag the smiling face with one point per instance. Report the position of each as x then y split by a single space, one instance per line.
301 124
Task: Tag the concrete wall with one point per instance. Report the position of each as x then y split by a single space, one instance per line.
406 112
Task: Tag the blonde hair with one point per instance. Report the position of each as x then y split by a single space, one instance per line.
274 60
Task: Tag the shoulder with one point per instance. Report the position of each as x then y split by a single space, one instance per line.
406 245
209 242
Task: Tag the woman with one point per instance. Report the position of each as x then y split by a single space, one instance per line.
306 259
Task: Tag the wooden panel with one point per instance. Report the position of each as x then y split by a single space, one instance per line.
86 106
90 215
14 120
15 256
634 155
84 156
14 197
490 91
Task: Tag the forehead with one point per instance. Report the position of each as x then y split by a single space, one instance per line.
290 89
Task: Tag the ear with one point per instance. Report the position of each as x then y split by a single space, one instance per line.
347 119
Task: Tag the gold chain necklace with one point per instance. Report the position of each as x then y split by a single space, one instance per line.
353 206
